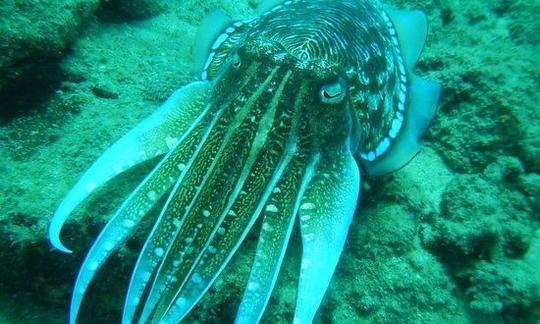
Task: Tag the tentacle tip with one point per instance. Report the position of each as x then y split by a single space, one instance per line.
63 249
72 318
54 238
57 244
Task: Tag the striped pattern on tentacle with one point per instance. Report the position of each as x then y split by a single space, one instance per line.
325 215
230 144
136 206
278 221
174 212
241 216
150 255
152 137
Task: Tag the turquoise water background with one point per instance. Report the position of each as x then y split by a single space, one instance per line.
453 237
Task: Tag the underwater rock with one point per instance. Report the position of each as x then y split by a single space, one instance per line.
469 227
530 185
33 36
386 230
386 275
419 185
413 288
530 148
509 286
105 90
117 10
523 23
506 170
484 233
488 98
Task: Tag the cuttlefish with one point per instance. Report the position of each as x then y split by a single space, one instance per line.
290 108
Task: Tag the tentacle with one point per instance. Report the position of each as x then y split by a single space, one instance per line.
176 165
152 251
221 247
325 215
174 212
152 137
141 200
223 179
231 232
279 216
242 212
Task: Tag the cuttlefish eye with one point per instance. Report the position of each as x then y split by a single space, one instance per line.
333 93
237 62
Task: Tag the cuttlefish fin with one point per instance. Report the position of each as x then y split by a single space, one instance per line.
173 166
266 5
422 95
211 27
152 137
412 30
278 220
325 214
420 108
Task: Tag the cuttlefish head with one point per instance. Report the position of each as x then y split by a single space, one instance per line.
313 90
290 106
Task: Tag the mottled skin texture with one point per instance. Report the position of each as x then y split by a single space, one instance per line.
286 102
348 42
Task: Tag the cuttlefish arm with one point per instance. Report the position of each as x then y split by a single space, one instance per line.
181 106
325 201
154 136
325 215
258 166
278 221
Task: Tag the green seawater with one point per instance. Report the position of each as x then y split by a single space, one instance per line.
453 237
